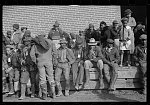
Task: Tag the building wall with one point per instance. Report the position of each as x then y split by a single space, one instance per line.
72 18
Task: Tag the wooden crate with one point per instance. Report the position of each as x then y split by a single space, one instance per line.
120 83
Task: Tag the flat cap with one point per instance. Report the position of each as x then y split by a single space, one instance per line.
143 36
56 24
22 28
124 19
110 41
10 46
8 32
127 11
115 22
16 26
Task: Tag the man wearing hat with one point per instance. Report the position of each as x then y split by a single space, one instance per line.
8 37
77 66
16 36
42 53
65 58
93 58
90 32
13 69
126 41
103 33
111 60
114 32
140 56
56 33
131 20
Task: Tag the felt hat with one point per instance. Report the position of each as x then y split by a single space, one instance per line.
16 26
10 46
56 24
92 42
110 41
127 11
62 41
115 22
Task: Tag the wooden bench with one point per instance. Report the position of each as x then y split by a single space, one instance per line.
128 77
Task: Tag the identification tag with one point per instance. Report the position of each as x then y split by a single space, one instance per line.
9 60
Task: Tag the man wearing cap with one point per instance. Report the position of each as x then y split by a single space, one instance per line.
16 36
13 69
93 58
42 54
90 32
65 58
111 60
126 45
77 66
103 33
131 20
140 56
56 33
114 32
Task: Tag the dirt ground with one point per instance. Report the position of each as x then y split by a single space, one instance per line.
88 96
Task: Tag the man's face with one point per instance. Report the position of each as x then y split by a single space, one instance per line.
8 51
102 26
92 46
9 35
14 28
110 45
125 23
128 15
91 28
115 26
144 42
63 45
79 46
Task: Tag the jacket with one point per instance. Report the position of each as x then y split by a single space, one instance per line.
113 55
16 37
98 54
69 55
40 56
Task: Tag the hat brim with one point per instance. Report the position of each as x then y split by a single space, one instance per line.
92 44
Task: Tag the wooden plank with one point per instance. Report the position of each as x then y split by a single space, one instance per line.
129 74
120 83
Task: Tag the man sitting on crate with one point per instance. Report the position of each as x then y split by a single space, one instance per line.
141 59
111 59
93 57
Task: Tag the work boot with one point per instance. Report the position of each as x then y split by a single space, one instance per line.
66 92
53 91
23 89
58 85
44 91
32 90
11 92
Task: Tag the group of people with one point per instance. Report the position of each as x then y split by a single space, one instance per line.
31 64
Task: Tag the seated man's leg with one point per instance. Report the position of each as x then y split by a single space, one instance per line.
80 76
114 70
106 72
87 65
74 72
100 68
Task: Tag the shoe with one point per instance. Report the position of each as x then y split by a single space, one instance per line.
11 93
32 96
66 92
21 98
80 87
77 87
59 94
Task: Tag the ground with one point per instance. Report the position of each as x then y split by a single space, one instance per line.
88 96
